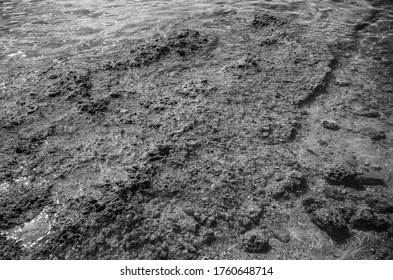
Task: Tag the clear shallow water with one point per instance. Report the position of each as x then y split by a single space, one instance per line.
42 28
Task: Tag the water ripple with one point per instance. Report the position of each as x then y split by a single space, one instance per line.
41 28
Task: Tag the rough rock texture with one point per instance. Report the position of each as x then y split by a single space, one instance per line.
255 241
330 124
181 42
338 174
21 202
197 144
328 218
293 184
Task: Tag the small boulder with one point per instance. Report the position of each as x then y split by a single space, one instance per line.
208 237
342 82
369 220
255 241
337 174
331 221
329 124
377 135
282 235
263 20
371 114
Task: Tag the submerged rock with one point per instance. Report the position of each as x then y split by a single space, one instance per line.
377 135
369 220
342 82
263 20
255 241
22 202
282 235
182 42
73 84
337 174
329 124
328 218
208 237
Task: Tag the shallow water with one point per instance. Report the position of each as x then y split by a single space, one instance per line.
42 28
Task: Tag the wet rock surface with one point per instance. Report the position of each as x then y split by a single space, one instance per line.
197 144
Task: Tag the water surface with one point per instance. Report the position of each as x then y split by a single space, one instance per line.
42 28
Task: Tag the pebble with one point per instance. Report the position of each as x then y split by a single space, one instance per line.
329 124
378 135
342 82
282 235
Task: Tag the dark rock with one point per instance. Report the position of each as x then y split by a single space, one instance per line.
342 82
329 218
208 237
368 220
331 221
156 214
189 211
22 202
182 42
158 152
337 174
371 114
329 124
377 135
186 41
211 222
268 41
264 20
94 106
368 113
255 241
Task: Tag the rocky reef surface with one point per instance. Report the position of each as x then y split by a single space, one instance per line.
253 141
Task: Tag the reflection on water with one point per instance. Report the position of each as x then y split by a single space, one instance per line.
41 28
